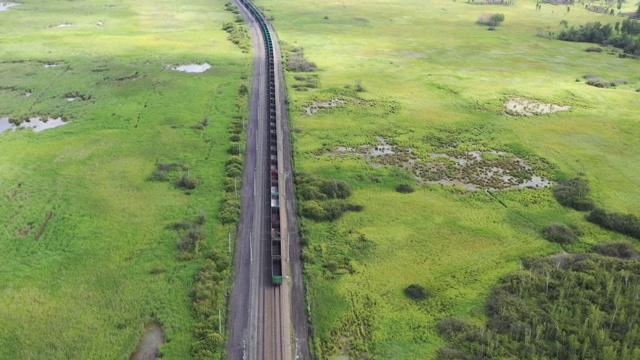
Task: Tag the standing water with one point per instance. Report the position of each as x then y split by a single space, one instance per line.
150 342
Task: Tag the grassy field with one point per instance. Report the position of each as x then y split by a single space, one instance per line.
435 81
87 253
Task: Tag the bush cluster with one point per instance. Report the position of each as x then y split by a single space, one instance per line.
191 237
550 312
622 250
207 296
574 193
238 34
626 224
323 200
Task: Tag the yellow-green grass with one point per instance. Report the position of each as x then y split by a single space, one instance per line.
446 75
105 263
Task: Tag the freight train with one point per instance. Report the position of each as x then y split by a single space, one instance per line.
274 194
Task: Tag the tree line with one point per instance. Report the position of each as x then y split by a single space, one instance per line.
623 35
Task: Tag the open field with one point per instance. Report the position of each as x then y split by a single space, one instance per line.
88 255
436 83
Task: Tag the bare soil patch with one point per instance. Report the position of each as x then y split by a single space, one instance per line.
527 107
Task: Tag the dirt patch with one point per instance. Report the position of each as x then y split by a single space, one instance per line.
37 124
316 106
471 170
192 68
7 6
150 341
527 107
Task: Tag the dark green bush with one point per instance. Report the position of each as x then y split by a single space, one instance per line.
626 224
416 292
405 188
560 233
186 181
623 250
574 193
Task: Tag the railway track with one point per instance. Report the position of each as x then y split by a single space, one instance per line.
260 320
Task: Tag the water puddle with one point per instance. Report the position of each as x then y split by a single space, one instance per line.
7 6
527 107
37 124
192 68
46 66
150 341
471 170
316 106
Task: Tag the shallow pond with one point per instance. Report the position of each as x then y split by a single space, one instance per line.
7 6
150 341
192 68
35 123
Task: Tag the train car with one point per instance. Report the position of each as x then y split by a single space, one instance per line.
274 194
276 270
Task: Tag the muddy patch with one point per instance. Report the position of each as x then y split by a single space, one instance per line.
36 124
192 68
73 96
471 170
316 106
150 341
44 225
520 106
7 6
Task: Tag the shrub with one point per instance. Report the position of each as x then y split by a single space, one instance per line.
447 353
159 175
626 224
404 188
593 49
313 210
416 292
335 189
491 19
186 181
230 210
623 249
559 233
450 327
574 193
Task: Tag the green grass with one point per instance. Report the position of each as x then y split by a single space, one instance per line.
430 71
105 263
